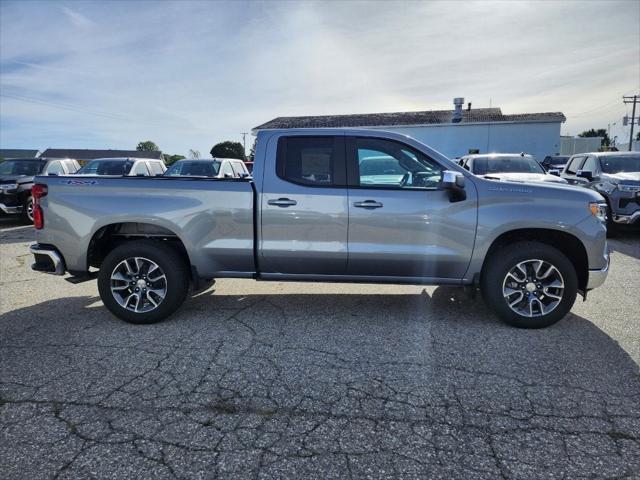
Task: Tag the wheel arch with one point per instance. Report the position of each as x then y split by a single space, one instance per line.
112 235
568 244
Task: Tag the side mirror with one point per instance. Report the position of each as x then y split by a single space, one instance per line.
228 175
554 171
454 183
585 174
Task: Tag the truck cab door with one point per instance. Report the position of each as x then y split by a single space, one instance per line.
303 207
401 222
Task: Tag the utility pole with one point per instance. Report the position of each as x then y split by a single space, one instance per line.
244 143
633 100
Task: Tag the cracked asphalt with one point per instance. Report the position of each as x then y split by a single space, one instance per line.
276 380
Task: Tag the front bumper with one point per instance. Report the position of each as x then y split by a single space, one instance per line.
627 219
47 260
597 277
11 209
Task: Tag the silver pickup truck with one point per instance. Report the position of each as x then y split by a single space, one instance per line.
330 205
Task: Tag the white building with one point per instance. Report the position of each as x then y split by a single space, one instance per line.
452 132
573 145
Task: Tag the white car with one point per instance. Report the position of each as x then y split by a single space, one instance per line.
209 167
124 166
517 167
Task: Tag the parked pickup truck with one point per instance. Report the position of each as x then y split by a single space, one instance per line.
310 213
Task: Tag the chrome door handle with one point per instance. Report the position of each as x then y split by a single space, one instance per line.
282 202
368 204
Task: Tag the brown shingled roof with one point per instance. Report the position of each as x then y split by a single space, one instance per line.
428 117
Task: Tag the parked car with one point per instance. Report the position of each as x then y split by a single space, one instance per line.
16 180
127 166
214 168
508 166
615 176
554 164
311 213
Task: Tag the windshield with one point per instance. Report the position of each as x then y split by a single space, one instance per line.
515 164
194 169
21 167
556 160
622 163
106 167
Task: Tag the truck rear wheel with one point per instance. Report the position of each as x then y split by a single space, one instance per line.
529 284
143 281
27 211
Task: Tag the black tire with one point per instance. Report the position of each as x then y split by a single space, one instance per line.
167 259
27 207
612 227
501 263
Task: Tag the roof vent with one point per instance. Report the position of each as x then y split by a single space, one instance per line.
457 112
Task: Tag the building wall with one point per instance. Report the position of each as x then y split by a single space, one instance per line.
572 145
454 140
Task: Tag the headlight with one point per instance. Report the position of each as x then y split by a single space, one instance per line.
629 188
599 210
9 186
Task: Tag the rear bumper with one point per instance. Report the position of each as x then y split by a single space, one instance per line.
11 209
47 260
597 277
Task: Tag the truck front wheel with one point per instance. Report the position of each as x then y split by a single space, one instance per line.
143 281
529 284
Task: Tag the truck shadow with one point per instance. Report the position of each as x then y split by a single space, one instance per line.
447 331
627 242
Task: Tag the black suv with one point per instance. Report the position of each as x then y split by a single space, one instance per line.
16 180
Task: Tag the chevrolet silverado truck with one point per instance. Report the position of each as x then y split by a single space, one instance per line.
615 176
326 205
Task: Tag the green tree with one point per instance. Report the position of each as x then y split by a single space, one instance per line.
638 137
252 152
228 149
147 146
601 132
170 159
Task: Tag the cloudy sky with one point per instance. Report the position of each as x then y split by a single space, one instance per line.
189 74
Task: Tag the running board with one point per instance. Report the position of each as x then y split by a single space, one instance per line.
83 278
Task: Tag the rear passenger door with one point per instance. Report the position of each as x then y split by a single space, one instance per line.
304 214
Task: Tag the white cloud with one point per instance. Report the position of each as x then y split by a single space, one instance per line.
77 19
189 74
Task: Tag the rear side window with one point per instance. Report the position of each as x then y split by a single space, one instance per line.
574 165
156 168
140 169
55 168
315 161
590 165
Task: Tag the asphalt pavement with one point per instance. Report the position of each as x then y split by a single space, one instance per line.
301 380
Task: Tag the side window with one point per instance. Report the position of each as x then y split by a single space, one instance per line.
55 168
574 165
156 168
226 171
389 164
314 161
140 169
590 164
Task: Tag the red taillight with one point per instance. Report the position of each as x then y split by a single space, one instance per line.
38 217
38 191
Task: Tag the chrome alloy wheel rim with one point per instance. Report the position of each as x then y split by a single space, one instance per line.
533 288
30 210
138 284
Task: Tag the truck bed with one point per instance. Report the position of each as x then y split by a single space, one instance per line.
213 218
